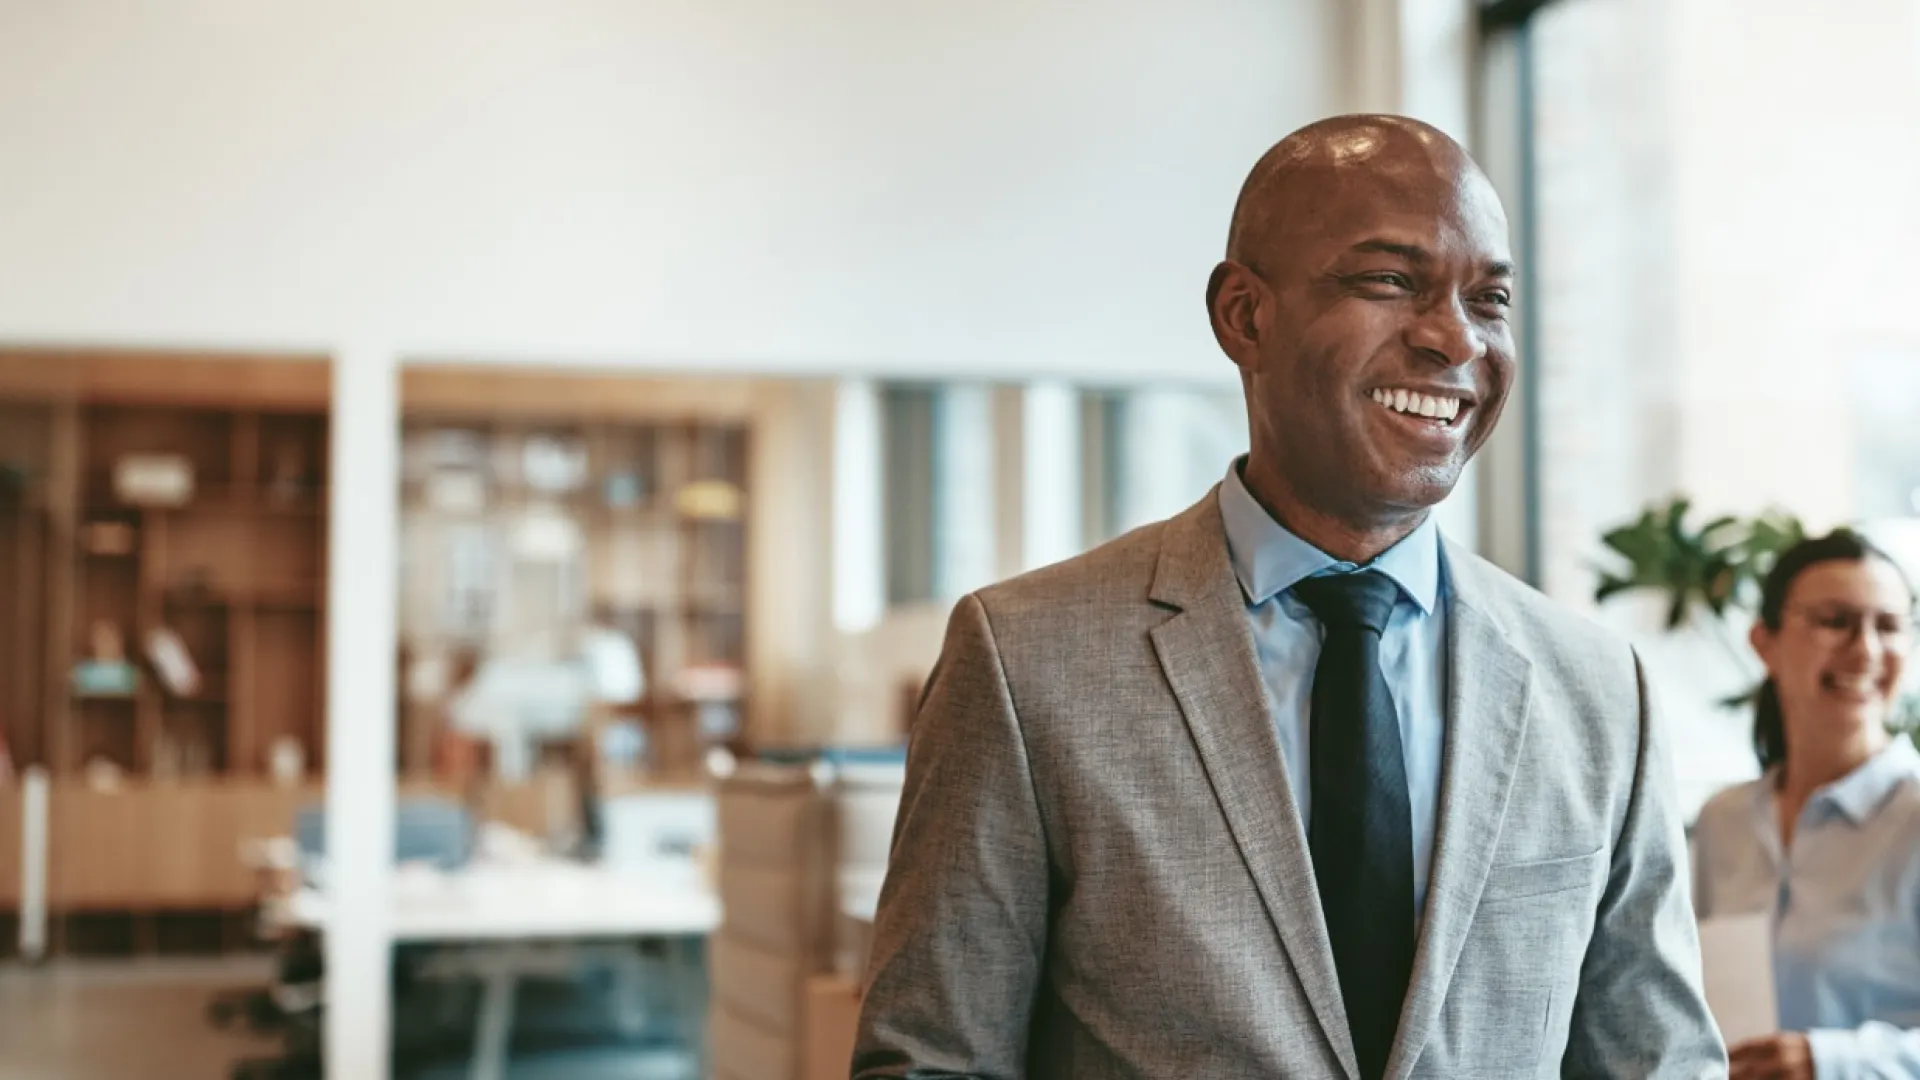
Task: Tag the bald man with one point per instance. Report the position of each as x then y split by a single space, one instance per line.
1288 785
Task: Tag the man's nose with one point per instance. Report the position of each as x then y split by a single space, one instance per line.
1445 334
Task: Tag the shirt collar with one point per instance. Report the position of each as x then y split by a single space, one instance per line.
1856 795
1269 559
1859 793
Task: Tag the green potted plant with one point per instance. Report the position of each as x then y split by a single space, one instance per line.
1707 574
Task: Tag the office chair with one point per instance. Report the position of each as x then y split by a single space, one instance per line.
427 829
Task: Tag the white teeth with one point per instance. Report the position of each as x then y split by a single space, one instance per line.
1863 686
1418 404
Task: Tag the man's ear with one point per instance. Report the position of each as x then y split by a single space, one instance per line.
1233 307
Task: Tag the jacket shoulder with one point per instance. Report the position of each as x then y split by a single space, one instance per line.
1118 571
1546 629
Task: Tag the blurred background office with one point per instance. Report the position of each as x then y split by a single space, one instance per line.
480 485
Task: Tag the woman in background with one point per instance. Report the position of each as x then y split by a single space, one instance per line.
1828 839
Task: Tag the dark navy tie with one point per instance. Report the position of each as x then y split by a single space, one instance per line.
1361 833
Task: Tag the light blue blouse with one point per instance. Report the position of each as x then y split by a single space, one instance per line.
1846 906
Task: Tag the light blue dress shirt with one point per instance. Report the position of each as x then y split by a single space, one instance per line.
1845 901
1269 561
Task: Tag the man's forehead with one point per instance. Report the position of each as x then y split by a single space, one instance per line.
1435 215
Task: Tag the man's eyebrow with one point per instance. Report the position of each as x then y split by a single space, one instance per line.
1418 255
1413 253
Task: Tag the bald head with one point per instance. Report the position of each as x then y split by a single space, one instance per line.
1364 298
1396 156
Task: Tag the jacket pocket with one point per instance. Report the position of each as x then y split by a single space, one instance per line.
1517 881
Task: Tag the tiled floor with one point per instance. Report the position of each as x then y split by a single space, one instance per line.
147 1021
83 1021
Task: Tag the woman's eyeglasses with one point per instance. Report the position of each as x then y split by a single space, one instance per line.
1840 625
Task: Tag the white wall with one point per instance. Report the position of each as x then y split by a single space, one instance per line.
999 187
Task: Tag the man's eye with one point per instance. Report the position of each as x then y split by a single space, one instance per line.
1497 298
1390 280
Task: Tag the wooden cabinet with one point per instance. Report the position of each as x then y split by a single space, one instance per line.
10 813
174 501
162 847
177 846
94 842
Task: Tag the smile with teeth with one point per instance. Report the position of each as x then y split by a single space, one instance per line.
1854 685
1414 403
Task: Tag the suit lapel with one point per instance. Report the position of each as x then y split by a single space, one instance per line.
1488 685
1206 653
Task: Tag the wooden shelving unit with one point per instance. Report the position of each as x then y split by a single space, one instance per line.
237 571
154 791
656 520
155 787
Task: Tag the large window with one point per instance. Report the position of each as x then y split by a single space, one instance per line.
1150 452
938 484
1723 308
1724 207
980 481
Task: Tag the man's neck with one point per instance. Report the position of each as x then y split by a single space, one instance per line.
1357 542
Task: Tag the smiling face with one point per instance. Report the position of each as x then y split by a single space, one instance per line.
1838 654
1365 300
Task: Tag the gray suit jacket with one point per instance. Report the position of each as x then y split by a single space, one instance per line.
1098 872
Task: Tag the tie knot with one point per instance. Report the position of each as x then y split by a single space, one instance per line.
1350 601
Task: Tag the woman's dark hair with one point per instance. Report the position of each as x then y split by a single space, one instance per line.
1841 545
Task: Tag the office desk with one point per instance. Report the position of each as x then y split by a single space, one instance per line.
498 923
544 899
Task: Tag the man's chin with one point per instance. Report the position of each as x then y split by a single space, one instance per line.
1419 488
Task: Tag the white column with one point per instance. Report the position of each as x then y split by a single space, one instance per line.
1438 46
859 522
34 802
362 598
1370 38
1050 495
1414 58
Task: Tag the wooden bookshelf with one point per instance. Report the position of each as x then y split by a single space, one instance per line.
154 789
658 514
155 786
236 571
